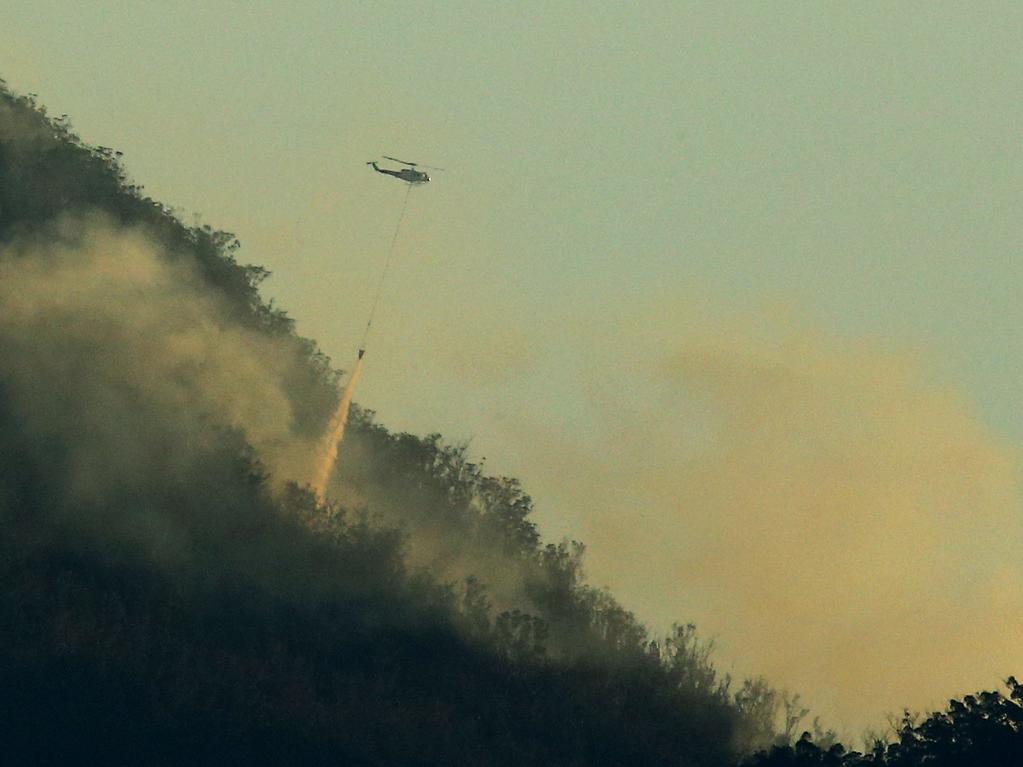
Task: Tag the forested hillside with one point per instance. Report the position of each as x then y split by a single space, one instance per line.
173 593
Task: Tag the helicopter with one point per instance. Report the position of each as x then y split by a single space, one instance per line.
409 175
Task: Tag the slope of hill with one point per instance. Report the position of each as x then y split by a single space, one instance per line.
170 595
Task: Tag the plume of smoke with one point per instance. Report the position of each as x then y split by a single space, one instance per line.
109 345
327 455
837 515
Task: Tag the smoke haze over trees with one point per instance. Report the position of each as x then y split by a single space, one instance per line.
172 591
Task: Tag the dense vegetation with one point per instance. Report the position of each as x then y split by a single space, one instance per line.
165 599
982 729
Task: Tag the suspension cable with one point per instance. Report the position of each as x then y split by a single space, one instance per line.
383 274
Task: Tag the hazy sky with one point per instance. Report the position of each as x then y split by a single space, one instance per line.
732 287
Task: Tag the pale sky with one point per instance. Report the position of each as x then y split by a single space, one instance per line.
680 252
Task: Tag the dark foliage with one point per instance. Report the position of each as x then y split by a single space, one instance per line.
979 730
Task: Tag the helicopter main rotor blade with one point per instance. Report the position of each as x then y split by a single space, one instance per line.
411 164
